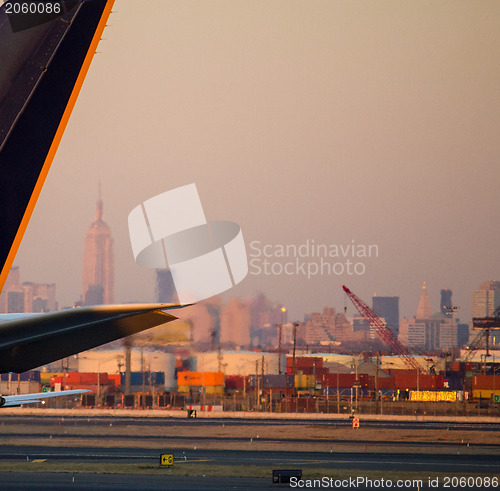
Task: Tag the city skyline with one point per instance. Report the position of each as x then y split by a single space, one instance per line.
325 123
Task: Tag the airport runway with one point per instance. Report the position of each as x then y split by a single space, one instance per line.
34 447
20 481
328 460
98 420
356 464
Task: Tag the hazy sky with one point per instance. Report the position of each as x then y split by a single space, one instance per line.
328 121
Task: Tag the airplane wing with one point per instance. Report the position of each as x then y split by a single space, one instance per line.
18 400
46 47
30 341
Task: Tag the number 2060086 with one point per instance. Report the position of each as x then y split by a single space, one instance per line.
33 8
476 482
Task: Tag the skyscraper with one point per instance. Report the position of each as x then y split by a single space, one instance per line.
486 300
427 331
98 270
165 287
388 308
446 302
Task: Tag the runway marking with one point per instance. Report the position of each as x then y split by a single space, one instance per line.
38 461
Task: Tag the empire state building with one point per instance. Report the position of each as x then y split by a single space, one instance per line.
98 272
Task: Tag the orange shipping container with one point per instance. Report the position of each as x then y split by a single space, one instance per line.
115 379
200 378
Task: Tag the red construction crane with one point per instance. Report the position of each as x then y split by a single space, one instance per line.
383 331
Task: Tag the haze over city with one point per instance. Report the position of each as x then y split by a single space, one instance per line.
333 123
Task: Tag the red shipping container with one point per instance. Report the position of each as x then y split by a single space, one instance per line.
342 379
383 383
235 382
308 361
86 378
320 372
486 382
422 381
56 380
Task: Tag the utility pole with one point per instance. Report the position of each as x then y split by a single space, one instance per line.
128 363
295 325
256 383
376 382
280 328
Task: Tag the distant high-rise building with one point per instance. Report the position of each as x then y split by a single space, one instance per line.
424 305
388 308
486 300
426 331
321 327
235 323
27 296
98 270
446 302
165 287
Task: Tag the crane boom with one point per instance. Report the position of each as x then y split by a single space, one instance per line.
383 331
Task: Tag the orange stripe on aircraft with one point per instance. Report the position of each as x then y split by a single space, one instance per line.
55 143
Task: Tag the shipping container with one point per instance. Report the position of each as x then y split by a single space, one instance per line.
144 378
388 383
56 380
340 379
115 379
235 382
25 387
46 376
409 379
453 381
271 381
486 394
200 378
303 381
435 396
213 389
486 382
29 376
85 378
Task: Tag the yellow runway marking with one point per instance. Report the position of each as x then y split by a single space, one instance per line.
38 461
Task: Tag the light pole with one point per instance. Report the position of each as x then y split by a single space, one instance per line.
295 325
280 329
